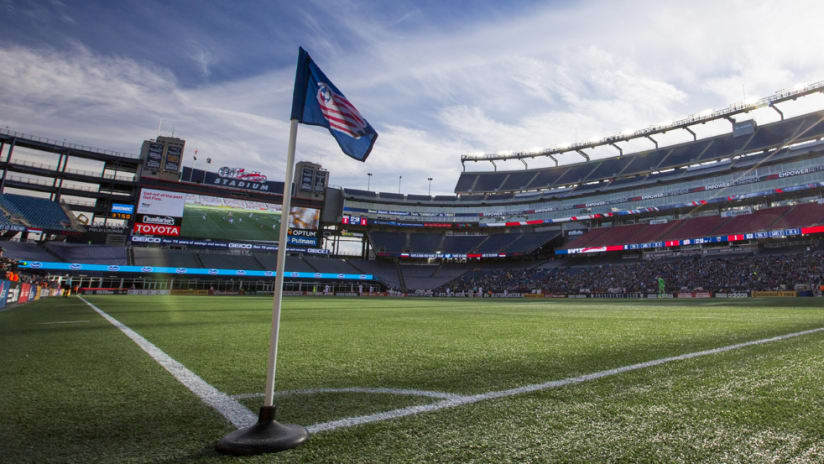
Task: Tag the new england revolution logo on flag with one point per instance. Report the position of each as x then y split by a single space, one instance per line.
316 101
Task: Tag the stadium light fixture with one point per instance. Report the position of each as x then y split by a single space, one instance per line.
368 181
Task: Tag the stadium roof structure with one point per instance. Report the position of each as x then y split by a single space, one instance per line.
685 123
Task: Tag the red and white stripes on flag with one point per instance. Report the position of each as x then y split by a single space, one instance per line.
341 114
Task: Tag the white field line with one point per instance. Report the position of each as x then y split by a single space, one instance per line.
451 403
61 322
389 391
231 409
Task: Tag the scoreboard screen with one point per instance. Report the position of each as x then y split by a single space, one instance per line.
122 211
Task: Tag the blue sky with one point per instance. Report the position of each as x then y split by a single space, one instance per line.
435 78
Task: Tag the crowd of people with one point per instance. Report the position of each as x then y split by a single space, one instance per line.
716 274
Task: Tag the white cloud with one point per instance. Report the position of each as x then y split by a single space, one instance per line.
534 79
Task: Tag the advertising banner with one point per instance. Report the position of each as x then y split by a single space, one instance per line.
732 295
774 294
161 203
122 208
302 237
13 293
25 289
4 292
60 266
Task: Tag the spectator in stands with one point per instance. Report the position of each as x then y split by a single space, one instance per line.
721 274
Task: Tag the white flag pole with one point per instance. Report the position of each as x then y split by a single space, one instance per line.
280 268
269 435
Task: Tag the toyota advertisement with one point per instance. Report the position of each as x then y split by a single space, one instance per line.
159 213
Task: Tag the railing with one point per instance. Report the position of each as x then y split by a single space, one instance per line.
74 202
65 144
48 183
81 172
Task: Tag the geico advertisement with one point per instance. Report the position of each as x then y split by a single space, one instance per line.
302 237
161 203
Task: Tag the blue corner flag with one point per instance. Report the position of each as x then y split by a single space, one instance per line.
316 101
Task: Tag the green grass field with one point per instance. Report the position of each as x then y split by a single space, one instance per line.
213 222
76 389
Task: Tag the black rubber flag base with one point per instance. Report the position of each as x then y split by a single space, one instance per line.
267 436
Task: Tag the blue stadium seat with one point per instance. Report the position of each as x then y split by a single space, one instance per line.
609 168
644 162
465 182
518 180
547 177
39 212
489 182
392 242
724 146
576 173
425 243
461 244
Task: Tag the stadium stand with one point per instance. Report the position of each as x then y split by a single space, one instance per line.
529 242
28 252
228 261
494 243
92 254
767 271
753 222
695 228
462 243
331 265
427 243
383 271
268 262
802 215
419 276
164 257
38 212
776 134
392 242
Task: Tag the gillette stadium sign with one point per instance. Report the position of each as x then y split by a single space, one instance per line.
240 178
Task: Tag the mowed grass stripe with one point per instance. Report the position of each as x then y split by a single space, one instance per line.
81 393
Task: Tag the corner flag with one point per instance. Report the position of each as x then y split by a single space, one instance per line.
316 101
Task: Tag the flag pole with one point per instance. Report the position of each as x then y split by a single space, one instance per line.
286 208
269 435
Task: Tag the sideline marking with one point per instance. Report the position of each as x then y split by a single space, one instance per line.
451 403
231 409
391 391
